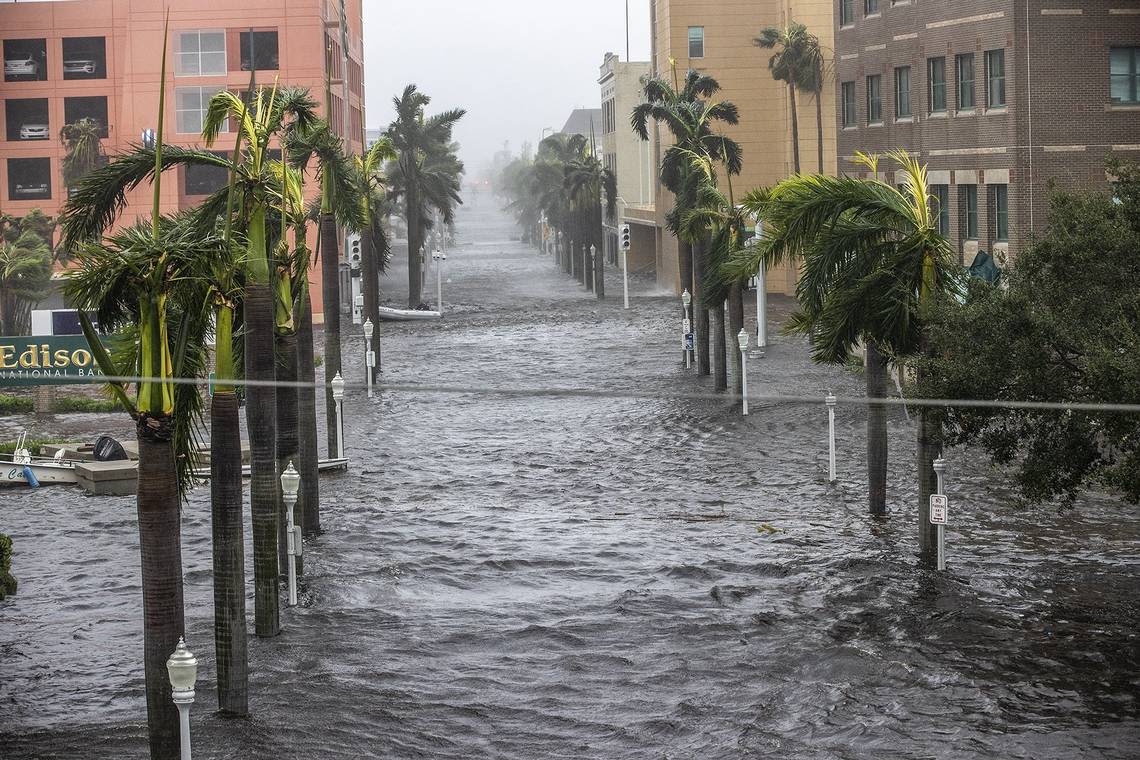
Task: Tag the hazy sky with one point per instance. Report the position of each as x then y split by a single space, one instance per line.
517 66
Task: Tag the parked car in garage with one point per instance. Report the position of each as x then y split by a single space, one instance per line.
22 66
34 132
79 66
31 190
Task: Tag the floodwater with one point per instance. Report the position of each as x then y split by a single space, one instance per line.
519 576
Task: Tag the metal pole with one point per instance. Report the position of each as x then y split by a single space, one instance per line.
831 400
625 275
744 378
686 326
340 428
439 285
184 721
292 540
762 308
369 362
593 269
939 469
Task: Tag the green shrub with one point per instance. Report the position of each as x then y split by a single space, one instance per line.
34 445
7 582
10 404
89 405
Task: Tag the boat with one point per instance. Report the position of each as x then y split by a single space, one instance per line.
388 314
15 468
324 465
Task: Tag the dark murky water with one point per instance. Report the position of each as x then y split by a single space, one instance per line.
514 577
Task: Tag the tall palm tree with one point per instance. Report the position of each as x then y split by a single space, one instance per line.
83 140
690 118
417 139
798 61
873 265
591 185
25 279
373 238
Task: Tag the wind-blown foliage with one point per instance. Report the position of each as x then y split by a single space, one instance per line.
25 279
83 140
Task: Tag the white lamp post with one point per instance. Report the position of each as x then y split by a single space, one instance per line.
438 257
761 282
686 327
830 401
742 339
182 667
290 483
939 471
338 396
369 354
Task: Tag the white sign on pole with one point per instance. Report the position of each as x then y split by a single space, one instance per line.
939 509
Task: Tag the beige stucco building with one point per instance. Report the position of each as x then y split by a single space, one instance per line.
716 38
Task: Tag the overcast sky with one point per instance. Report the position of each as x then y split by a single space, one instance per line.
517 66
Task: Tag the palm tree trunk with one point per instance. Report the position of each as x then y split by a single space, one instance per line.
330 272
600 257
929 448
795 129
819 129
226 489
261 421
160 544
685 275
287 433
700 309
720 349
370 287
309 496
735 325
415 240
876 431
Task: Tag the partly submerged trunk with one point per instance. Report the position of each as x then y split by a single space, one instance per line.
700 309
308 497
795 129
415 241
819 129
370 286
720 349
735 325
330 271
261 418
288 435
160 545
876 431
226 502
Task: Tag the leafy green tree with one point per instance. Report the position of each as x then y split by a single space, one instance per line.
592 187
873 265
798 61
25 280
1065 330
83 140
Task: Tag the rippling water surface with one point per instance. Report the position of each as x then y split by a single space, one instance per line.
506 576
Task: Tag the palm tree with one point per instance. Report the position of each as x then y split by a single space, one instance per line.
799 63
690 118
589 184
25 279
374 247
83 140
873 265
417 139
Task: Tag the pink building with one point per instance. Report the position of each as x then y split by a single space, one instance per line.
100 59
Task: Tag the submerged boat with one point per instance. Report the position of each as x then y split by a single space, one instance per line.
406 315
21 468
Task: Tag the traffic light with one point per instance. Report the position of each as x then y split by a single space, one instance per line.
354 251
626 244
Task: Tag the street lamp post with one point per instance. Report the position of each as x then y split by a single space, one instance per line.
686 327
438 257
369 354
182 668
338 396
742 339
593 269
831 401
761 282
625 276
290 483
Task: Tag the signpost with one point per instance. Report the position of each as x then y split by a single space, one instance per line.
47 360
939 512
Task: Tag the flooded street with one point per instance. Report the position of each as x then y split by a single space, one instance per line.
514 575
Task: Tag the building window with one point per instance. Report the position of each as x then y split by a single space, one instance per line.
199 179
941 195
29 179
201 53
27 119
190 108
25 60
969 210
902 92
1125 75
1000 205
870 7
696 42
874 99
846 12
995 79
84 58
92 107
848 96
965 67
261 50
936 76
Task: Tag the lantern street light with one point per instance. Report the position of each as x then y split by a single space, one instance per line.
369 354
686 328
182 668
290 484
742 339
438 257
338 396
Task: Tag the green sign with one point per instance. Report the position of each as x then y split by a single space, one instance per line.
47 360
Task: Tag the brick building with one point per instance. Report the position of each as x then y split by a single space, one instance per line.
100 59
1000 98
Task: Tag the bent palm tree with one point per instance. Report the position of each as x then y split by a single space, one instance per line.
873 265
589 184
83 141
25 279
